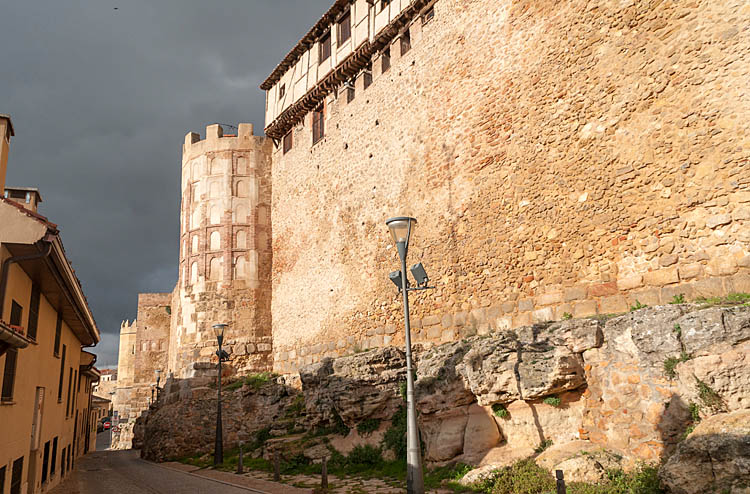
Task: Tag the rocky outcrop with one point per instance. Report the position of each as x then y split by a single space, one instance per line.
715 457
606 394
354 388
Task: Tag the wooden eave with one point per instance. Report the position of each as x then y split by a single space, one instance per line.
344 71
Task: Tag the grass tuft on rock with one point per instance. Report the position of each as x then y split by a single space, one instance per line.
552 401
500 411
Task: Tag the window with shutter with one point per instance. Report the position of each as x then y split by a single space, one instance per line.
405 42
62 376
58 334
288 142
385 60
345 27
9 374
318 118
325 47
31 330
16 313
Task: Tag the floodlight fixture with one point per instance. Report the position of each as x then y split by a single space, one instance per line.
420 275
395 277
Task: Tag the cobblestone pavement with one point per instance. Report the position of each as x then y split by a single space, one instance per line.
118 472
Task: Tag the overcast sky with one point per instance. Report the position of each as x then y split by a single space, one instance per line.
101 100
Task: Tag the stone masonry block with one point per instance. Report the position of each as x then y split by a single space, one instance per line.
744 262
543 315
650 296
615 304
431 320
525 305
434 332
690 271
575 293
508 307
718 220
585 308
447 321
549 299
661 277
669 292
459 318
521 320
478 316
722 266
630 282
563 309
710 287
602 289
739 283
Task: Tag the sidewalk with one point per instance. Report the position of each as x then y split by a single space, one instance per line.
247 482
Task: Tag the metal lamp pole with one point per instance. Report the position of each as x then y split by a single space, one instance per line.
414 476
219 444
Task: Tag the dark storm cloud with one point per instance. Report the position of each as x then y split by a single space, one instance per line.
101 100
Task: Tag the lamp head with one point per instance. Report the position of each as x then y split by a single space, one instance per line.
419 274
395 277
401 228
219 331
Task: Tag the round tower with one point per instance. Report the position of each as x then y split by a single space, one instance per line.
225 251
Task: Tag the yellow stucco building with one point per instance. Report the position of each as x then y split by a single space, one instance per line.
46 373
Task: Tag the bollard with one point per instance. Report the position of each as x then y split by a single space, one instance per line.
276 468
324 474
560 482
240 467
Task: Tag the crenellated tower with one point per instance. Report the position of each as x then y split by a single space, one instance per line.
225 251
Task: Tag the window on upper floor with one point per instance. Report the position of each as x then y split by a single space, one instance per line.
385 60
9 374
16 313
31 330
318 123
345 27
367 76
405 42
325 47
428 15
62 374
282 91
384 4
288 141
350 91
58 334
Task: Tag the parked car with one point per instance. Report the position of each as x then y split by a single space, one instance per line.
100 425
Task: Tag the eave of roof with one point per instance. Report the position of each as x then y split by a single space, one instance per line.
307 40
10 123
27 189
38 217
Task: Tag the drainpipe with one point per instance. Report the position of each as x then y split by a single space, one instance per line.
12 260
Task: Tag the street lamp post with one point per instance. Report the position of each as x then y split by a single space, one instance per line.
401 228
219 444
157 373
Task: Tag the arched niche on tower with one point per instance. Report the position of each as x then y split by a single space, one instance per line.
240 268
194 273
241 188
242 165
195 219
215 268
215 241
194 241
215 214
240 212
241 240
214 190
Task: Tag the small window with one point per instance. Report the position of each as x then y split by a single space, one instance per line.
288 141
70 386
367 76
31 330
325 47
428 15
282 91
384 4
318 118
405 42
53 461
58 334
45 462
60 384
345 27
16 478
16 313
385 60
9 374
350 91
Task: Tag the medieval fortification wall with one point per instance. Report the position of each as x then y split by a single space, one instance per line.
561 157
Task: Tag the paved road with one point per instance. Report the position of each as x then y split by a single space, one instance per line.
120 472
102 440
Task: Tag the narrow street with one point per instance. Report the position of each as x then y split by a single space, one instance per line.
105 472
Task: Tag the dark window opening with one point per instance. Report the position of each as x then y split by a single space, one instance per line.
16 476
58 333
318 118
45 463
385 60
15 194
367 75
351 93
70 385
282 91
54 455
2 479
345 27
69 455
405 42
31 330
63 455
16 313
384 4
288 141
9 374
325 47
62 377
428 15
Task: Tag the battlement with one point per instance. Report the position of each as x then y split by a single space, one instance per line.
216 141
127 327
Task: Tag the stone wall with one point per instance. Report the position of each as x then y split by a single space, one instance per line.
561 157
152 335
